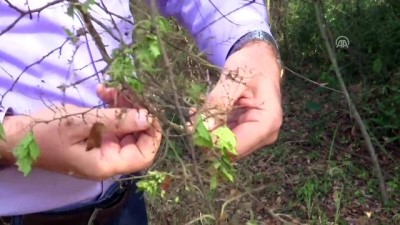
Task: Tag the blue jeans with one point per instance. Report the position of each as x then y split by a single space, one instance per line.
133 213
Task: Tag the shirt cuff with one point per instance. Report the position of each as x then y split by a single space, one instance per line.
226 34
217 25
252 36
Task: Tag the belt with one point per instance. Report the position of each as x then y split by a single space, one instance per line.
85 216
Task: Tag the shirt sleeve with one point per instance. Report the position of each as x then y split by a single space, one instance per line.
217 24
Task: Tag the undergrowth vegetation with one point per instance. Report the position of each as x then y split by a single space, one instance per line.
370 64
319 172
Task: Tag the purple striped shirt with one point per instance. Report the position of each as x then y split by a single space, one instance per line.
36 59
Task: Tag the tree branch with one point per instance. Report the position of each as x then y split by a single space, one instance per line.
353 108
93 32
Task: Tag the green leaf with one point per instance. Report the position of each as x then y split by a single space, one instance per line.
2 133
377 65
71 10
314 106
202 136
86 5
196 90
71 35
24 165
225 140
217 164
26 153
136 85
22 150
155 49
142 184
163 24
251 222
227 174
151 183
34 151
213 182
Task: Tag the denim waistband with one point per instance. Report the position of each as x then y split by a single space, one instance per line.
110 195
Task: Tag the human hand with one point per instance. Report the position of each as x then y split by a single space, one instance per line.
130 140
249 97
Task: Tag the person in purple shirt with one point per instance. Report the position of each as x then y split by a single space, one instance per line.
45 77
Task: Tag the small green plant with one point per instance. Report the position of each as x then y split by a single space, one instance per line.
307 193
252 222
152 183
337 197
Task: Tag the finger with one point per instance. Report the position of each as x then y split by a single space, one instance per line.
130 157
192 114
107 162
244 126
112 96
149 141
247 140
222 99
140 155
122 157
106 94
117 121
192 119
110 145
225 93
232 124
251 103
236 113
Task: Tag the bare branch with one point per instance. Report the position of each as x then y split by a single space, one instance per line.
93 32
353 108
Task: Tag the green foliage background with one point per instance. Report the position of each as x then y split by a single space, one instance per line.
370 64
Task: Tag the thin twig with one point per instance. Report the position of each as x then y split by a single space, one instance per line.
24 13
170 77
107 29
237 198
93 32
311 81
202 217
278 216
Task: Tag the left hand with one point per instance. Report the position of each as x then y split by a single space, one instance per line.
251 95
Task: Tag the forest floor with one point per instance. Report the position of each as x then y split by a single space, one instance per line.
319 172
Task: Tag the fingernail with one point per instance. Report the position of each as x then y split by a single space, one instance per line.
108 90
210 123
144 118
190 127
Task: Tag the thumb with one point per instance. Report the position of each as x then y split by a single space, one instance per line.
112 96
117 121
221 99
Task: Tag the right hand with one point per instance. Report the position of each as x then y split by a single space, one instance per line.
129 144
